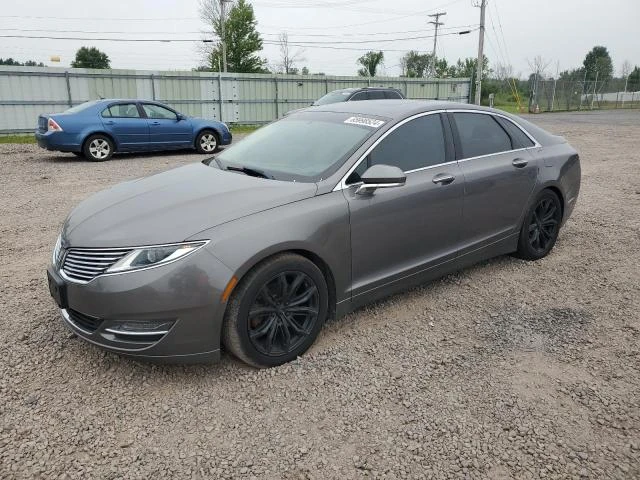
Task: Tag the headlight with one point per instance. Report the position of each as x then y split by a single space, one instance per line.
56 251
153 256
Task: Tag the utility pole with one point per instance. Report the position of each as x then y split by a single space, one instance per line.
483 4
223 20
435 39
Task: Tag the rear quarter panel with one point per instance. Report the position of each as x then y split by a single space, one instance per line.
560 168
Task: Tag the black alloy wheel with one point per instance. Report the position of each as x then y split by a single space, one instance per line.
283 313
541 227
276 311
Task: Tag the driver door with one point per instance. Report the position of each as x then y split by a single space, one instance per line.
166 130
399 235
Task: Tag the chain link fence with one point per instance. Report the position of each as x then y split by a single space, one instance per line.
553 95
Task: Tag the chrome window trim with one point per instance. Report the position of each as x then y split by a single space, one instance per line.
342 183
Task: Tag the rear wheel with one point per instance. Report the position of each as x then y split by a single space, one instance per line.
98 148
276 312
540 227
206 142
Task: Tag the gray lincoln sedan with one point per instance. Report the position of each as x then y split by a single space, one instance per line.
304 220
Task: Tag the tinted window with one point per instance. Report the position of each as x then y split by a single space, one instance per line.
126 110
392 94
416 144
520 140
359 96
106 112
156 111
376 95
480 134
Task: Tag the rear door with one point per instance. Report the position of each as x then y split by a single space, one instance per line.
125 124
500 175
166 130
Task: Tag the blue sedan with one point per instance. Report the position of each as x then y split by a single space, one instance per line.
99 128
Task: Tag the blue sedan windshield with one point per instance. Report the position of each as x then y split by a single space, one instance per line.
307 146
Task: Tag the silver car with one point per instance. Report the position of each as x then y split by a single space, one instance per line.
305 220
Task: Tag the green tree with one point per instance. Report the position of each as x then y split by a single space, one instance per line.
305 71
28 63
634 79
415 64
370 62
598 61
441 68
240 35
90 58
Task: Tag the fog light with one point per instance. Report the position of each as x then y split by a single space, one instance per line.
141 327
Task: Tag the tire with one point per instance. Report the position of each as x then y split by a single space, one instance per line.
541 226
285 321
207 141
98 148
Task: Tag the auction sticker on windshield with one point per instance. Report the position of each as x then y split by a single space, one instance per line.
366 121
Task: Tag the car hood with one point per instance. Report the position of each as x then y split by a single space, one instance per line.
174 205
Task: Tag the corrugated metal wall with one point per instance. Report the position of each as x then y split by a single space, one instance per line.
25 92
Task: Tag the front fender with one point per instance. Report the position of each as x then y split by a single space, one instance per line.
319 225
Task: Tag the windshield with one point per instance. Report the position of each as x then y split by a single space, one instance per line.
306 146
334 97
82 106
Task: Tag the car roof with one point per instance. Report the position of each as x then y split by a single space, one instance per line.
393 109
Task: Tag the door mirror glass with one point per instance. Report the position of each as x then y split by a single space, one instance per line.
381 176
180 116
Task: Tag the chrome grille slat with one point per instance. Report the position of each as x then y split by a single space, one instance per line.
84 264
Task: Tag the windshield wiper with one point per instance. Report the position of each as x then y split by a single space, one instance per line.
249 171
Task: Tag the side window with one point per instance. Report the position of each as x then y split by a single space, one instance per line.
416 144
376 95
480 134
520 140
392 94
106 112
156 111
359 96
124 110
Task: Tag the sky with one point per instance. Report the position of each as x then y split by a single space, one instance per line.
559 31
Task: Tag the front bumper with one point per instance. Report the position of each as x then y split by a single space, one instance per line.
183 297
227 138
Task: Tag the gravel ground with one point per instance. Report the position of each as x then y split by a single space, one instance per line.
505 370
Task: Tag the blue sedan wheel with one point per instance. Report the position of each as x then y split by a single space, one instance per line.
98 148
207 142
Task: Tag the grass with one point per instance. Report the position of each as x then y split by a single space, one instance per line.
17 139
243 128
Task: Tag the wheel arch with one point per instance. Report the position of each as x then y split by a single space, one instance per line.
99 132
555 189
206 128
313 257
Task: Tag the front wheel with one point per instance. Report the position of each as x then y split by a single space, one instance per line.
276 312
98 148
206 142
540 227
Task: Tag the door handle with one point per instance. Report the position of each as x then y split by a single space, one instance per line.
443 179
519 163
155 123
110 122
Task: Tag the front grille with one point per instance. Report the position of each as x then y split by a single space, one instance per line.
42 124
84 322
84 264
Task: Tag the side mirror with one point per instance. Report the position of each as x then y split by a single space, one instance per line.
181 117
381 176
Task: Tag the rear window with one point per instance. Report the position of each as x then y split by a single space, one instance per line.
520 140
334 97
122 110
480 135
81 107
392 95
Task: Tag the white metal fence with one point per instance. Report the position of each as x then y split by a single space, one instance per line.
26 92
